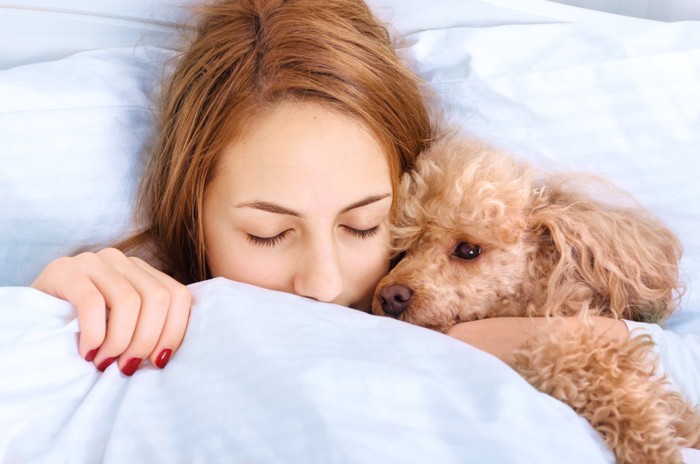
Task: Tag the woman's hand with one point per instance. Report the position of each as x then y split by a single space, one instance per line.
503 335
126 308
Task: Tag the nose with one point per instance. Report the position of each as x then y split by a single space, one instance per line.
395 299
320 276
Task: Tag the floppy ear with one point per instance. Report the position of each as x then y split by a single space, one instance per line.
408 215
623 262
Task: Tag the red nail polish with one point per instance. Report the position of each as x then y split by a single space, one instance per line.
163 358
131 366
90 356
105 364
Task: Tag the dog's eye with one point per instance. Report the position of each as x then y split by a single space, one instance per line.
466 250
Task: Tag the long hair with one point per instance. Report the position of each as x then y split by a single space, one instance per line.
247 55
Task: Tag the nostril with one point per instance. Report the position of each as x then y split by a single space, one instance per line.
395 299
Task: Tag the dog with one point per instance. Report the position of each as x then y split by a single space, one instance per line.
478 235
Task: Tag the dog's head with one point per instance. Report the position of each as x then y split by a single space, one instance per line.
480 238
463 223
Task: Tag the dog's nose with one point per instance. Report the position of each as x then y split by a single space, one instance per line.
395 299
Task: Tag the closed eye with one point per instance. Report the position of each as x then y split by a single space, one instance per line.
267 241
362 233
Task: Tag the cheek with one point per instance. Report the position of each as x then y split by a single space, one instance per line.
229 255
367 267
372 269
375 256
235 260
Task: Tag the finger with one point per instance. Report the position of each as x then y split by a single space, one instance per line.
123 300
135 332
155 301
176 319
63 279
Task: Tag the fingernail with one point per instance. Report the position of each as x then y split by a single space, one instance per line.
90 356
105 364
163 358
131 366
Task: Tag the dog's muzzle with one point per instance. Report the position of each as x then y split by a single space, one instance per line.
395 299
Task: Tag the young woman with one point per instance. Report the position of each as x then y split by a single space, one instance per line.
284 129
285 126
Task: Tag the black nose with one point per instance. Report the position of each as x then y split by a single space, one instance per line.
395 299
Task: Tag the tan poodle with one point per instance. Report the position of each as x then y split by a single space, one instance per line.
484 238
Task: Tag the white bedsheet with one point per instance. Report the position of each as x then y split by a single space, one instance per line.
265 377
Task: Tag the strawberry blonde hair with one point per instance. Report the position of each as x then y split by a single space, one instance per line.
247 55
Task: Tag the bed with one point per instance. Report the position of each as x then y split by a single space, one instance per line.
266 377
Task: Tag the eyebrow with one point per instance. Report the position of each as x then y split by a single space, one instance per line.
277 209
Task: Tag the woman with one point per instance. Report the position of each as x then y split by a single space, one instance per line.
285 127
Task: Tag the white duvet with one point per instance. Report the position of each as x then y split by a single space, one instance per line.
266 377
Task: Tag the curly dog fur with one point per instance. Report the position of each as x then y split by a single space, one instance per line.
482 237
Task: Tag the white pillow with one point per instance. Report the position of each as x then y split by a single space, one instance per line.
73 134
32 31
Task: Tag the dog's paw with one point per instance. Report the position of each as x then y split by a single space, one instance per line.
613 384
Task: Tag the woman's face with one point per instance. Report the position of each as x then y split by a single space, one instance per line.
300 203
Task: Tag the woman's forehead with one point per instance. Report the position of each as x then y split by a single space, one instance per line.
305 149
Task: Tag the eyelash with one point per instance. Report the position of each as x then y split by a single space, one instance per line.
366 233
267 241
273 241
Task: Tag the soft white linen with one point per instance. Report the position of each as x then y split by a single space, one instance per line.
272 378
33 31
73 134
691 456
681 357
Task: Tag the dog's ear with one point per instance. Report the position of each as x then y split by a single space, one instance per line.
621 260
408 215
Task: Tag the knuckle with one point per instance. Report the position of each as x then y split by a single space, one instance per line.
129 301
86 257
110 253
182 295
93 300
137 260
159 297
156 301
60 264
